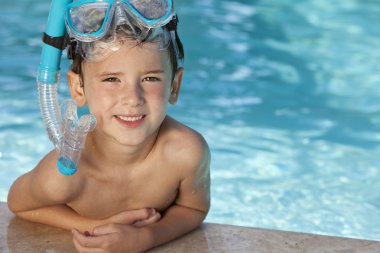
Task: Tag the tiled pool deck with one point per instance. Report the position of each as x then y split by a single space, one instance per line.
18 236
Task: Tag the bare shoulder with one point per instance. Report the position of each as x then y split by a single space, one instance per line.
43 186
188 152
53 185
184 146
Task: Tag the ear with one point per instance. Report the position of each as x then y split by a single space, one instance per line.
76 90
176 85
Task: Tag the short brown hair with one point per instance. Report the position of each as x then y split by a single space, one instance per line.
175 60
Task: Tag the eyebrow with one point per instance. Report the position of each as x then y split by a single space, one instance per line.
110 74
155 71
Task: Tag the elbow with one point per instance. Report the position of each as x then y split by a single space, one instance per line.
12 204
12 207
15 201
17 208
17 211
206 208
16 204
14 210
203 215
200 215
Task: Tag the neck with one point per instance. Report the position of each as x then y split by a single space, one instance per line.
106 153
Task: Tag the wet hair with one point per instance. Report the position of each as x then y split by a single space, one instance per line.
77 55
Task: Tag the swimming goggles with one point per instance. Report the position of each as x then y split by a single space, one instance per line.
90 20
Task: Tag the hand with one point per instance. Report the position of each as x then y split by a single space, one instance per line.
112 238
137 218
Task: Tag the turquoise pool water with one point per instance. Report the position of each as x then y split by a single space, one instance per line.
287 95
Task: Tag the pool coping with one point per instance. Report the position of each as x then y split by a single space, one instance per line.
17 235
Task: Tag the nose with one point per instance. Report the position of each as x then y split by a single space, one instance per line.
132 95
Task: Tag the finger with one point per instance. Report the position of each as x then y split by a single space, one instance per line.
82 249
156 217
88 241
129 217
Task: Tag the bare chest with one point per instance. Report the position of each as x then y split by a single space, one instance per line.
104 197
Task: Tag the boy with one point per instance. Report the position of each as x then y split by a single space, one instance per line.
138 163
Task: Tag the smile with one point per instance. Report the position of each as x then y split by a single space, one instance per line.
130 118
131 121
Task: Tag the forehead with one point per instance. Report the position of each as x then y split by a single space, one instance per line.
101 49
130 52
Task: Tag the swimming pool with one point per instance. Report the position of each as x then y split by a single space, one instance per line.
287 97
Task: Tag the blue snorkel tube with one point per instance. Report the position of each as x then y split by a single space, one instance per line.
67 133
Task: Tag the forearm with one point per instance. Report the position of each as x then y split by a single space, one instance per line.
61 216
176 221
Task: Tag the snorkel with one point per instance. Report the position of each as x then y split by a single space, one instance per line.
67 133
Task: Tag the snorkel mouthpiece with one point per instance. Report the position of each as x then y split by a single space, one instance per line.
68 135
74 137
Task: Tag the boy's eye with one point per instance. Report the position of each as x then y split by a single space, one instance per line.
151 79
111 79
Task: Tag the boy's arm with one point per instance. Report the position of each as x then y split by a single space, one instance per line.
193 200
177 221
63 216
115 238
43 186
41 196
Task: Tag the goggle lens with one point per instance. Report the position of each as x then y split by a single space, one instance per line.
88 18
157 8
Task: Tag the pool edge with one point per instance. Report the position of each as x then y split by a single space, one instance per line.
21 236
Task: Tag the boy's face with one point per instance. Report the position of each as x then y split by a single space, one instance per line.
128 92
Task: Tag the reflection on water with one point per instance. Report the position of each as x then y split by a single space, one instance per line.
289 107
286 95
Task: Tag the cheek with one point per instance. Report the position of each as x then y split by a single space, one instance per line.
160 95
98 101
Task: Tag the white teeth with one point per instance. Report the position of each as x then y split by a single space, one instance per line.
130 119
